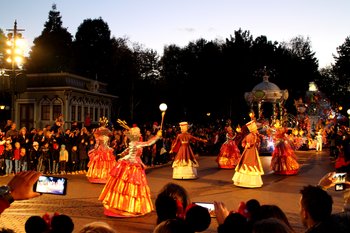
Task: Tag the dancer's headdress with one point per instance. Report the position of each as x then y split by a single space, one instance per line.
123 124
252 126
103 120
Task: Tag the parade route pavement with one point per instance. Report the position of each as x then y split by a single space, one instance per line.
82 205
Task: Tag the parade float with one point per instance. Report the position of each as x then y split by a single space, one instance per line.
266 100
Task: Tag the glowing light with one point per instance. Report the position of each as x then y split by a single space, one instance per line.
163 107
312 86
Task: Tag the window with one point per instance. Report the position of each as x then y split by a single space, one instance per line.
96 114
106 112
45 112
86 111
73 112
79 113
56 111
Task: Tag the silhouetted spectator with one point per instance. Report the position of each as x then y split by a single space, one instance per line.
62 224
36 224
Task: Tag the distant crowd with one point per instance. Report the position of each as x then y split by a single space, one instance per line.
42 149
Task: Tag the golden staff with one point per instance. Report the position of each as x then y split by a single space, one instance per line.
163 107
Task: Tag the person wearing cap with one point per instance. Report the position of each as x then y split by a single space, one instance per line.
249 168
184 164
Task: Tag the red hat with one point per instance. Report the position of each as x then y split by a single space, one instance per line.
155 123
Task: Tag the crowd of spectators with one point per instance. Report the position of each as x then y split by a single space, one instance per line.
177 213
58 149
63 149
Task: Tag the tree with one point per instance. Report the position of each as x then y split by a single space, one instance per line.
2 49
341 71
52 49
93 50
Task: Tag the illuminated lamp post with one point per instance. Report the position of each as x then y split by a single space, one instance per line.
15 45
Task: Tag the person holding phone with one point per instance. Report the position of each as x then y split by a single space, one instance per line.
330 180
20 187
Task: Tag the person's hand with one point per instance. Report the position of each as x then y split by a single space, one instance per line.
327 180
22 185
221 212
159 133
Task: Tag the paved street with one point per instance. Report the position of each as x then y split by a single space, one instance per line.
213 184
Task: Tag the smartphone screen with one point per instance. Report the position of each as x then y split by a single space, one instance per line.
209 206
340 177
51 185
339 187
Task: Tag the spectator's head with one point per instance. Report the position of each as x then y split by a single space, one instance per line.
35 224
273 211
271 225
176 225
253 210
166 208
315 205
234 222
198 218
179 194
62 224
97 227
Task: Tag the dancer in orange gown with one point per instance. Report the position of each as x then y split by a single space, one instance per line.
229 153
249 168
127 194
101 158
185 164
283 161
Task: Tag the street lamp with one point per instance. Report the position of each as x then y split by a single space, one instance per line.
348 112
15 52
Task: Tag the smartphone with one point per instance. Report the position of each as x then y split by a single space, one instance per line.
340 177
51 185
210 206
339 187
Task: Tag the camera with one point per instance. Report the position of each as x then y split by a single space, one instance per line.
51 185
209 206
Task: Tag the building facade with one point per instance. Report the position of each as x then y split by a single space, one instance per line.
50 94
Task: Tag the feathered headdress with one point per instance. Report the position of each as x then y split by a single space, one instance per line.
103 120
123 124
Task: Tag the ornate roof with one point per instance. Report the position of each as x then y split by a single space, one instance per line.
266 92
265 85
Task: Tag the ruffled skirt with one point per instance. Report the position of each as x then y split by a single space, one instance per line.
229 155
100 164
126 194
283 160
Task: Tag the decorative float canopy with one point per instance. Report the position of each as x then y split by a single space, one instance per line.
266 92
